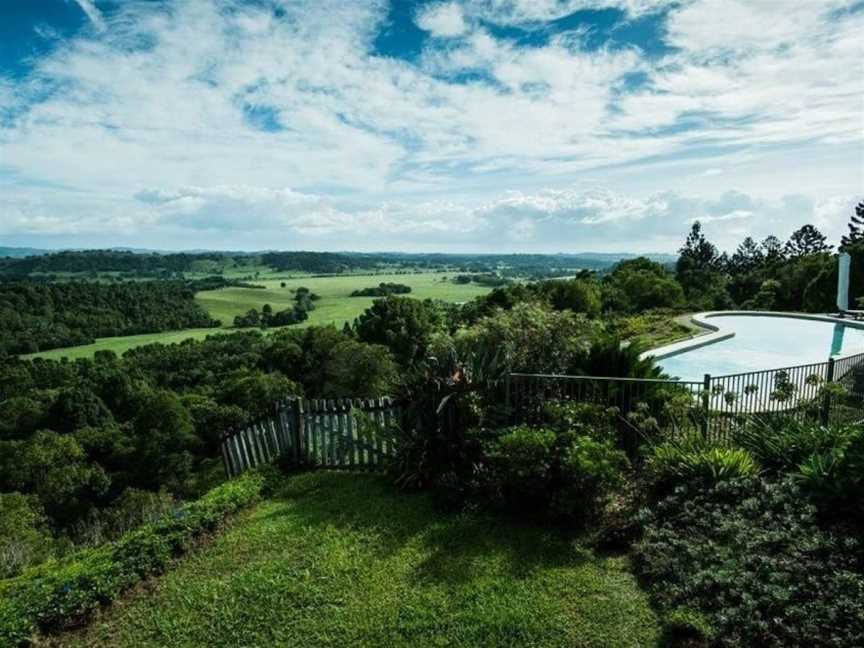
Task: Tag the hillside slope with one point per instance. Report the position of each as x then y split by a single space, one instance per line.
343 560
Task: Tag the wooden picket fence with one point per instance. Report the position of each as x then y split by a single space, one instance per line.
341 433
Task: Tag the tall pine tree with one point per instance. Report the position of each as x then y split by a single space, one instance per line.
855 237
806 241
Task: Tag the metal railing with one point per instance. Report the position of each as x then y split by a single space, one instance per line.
715 405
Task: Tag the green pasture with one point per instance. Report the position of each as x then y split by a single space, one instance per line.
336 306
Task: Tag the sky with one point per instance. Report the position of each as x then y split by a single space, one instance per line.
411 125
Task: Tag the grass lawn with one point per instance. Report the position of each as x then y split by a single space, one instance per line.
336 306
341 559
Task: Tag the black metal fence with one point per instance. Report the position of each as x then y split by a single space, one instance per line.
830 391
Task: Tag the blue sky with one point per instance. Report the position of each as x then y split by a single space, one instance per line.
484 125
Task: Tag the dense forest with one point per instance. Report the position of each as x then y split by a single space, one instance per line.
37 316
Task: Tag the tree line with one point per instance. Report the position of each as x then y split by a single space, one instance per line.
39 316
382 290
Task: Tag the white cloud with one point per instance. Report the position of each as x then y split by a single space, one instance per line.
95 16
444 20
753 97
513 12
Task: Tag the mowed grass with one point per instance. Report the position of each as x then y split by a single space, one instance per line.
342 559
336 305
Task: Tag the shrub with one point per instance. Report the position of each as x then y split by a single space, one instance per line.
582 418
835 476
828 461
24 535
685 627
130 510
692 458
56 594
590 469
538 471
750 556
780 443
522 461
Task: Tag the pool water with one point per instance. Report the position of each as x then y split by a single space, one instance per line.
762 342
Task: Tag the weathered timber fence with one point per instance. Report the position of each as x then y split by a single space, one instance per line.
826 392
340 433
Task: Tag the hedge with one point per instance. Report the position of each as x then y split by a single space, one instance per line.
54 595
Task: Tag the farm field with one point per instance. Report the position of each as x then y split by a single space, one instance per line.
336 306
120 345
343 559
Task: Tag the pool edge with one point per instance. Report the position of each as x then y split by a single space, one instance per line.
718 335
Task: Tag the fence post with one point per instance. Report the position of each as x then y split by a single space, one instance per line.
226 462
297 429
706 404
826 400
507 386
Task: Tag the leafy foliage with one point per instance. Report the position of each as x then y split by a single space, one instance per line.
750 556
39 316
403 325
25 535
695 460
55 595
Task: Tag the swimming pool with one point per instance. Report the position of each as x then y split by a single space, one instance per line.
765 342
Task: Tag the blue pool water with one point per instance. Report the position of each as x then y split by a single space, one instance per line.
765 343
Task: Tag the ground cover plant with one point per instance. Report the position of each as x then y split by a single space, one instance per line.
751 557
55 595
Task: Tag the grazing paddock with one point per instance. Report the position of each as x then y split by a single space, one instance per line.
336 306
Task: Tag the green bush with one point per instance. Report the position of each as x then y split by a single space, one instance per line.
594 420
835 476
751 557
56 594
694 459
538 471
685 627
780 444
25 538
828 461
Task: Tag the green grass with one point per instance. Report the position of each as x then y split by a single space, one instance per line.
341 559
336 305
120 345
653 330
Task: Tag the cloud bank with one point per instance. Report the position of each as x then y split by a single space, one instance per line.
280 124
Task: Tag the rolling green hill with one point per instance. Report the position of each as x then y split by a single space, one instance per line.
336 306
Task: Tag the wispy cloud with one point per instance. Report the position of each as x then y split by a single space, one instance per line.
95 16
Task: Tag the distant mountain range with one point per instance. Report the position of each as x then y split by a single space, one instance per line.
609 257
17 253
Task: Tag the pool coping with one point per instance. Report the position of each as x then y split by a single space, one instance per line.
716 334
